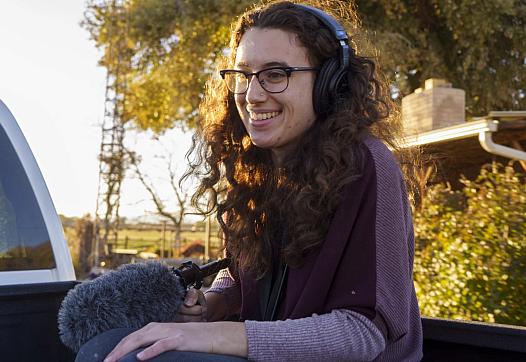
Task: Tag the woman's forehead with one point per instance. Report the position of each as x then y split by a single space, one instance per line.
262 47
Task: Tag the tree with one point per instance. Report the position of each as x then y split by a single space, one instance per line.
174 44
470 258
84 232
479 46
175 217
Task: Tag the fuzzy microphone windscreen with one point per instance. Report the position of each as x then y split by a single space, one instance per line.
131 296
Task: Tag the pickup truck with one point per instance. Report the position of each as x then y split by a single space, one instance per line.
36 272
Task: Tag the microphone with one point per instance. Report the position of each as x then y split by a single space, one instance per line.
131 296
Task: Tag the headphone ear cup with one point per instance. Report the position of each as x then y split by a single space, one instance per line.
326 85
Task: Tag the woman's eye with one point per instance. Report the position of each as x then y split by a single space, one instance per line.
274 75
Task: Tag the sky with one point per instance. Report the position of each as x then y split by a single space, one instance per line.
50 80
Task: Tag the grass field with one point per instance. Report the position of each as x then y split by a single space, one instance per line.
147 240
151 240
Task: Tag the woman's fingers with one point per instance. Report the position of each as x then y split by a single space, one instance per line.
162 337
191 311
194 296
219 337
201 300
191 298
181 318
189 314
194 308
143 337
163 345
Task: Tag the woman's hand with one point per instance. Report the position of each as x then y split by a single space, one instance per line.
219 337
194 308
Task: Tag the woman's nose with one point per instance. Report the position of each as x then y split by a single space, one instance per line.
255 92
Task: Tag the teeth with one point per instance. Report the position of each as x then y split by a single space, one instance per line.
262 116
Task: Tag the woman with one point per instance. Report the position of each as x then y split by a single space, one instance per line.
312 205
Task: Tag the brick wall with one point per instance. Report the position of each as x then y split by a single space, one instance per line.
438 105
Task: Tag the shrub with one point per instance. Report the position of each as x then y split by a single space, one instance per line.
470 259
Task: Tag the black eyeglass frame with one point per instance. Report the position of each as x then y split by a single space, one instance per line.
288 71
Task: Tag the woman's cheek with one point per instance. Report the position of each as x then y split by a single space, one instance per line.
240 104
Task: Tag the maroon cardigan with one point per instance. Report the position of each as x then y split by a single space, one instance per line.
365 263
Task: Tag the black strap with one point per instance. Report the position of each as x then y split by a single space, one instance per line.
270 287
264 287
271 292
273 302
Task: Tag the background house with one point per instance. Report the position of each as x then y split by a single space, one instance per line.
434 118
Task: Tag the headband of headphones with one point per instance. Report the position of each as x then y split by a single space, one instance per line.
338 31
333 72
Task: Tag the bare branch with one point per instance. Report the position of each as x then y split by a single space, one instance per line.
175 217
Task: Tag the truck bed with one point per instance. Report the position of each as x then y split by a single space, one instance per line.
28 331
28 322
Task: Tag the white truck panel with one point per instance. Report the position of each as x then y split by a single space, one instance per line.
64 267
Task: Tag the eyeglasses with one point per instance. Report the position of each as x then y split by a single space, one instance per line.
273 80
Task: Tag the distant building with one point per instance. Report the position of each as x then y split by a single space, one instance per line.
123 256
434 118
438 105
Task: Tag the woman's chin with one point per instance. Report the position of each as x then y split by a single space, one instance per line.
263 142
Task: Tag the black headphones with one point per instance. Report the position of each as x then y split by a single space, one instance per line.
332 73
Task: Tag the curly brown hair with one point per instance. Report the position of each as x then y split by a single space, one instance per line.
258 203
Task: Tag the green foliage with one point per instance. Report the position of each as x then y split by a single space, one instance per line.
470 260
478 46
169 52
167 49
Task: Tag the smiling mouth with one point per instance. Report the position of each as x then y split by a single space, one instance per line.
263 116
